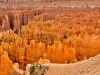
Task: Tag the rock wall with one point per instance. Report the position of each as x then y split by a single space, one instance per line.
17 19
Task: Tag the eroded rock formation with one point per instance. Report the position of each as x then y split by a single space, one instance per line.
68 38
6 65
48 31
15 15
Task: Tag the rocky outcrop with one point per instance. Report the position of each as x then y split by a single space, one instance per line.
4 23
57 53
34 51
6 65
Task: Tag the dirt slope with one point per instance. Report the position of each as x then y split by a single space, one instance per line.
87 67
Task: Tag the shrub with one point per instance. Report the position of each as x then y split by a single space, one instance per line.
34 69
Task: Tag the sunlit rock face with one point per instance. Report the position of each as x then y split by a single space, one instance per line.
6 65
35 51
